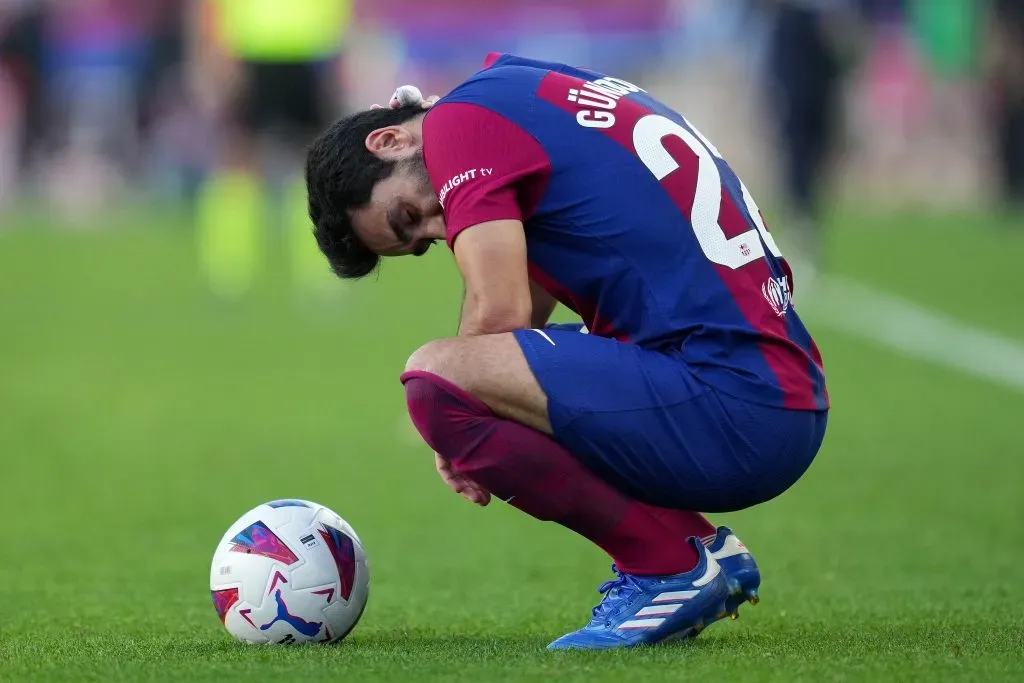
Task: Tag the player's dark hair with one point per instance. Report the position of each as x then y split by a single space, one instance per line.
340 176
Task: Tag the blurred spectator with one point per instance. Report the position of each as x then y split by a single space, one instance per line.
22 46
214 99
806 51
94 51
160 78
270 66
946 34
1004 61
87 74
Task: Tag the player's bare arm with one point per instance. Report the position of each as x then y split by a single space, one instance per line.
492 259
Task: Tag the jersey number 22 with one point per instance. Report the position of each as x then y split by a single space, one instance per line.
731 252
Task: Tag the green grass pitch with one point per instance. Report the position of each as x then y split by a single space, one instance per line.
138 419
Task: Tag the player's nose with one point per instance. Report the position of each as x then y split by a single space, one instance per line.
434 228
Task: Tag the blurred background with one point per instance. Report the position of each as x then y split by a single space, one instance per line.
885 101
173 350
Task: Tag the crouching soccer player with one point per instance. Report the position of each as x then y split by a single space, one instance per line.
697 388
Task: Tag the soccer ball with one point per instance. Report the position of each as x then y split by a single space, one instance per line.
290 571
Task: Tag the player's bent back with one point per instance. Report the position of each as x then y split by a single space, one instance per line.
633 219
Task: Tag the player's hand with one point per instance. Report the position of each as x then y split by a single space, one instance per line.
408 95
462 485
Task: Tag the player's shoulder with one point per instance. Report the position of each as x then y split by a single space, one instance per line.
508 84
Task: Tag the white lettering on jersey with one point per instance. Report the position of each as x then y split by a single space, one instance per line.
458 179
598 99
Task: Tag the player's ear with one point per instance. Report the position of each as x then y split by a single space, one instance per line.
390 142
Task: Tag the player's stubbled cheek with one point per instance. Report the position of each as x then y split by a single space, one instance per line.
371 227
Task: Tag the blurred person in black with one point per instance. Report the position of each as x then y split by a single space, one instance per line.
159 77
1005 75
807 49
22 49
268 65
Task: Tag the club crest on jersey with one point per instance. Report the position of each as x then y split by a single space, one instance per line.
600 97
776 291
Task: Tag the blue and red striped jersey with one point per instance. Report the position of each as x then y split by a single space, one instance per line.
632 217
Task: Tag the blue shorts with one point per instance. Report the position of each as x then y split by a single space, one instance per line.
641 420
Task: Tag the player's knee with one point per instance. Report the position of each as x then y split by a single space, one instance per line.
422 394
431 357
441 412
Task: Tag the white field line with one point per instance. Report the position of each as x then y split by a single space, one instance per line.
916 331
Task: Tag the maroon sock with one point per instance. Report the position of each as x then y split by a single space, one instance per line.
535 474
685 523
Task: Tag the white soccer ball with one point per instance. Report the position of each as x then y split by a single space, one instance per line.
290 571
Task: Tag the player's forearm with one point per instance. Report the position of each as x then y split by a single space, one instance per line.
492 259
482 317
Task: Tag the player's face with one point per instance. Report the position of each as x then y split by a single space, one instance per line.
403 216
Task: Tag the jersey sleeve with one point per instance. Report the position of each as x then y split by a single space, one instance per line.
482 166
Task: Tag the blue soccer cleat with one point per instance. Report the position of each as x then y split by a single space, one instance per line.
645 610
739 568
